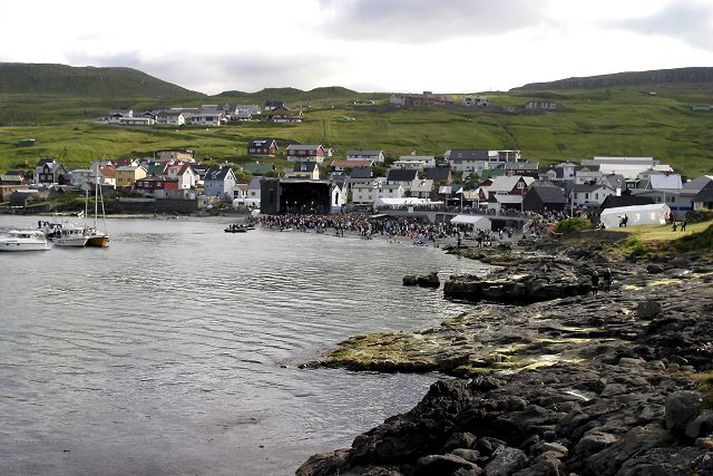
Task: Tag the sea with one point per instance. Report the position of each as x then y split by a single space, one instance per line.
177 349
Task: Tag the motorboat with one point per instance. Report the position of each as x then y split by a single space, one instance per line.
96 238
239 228
24 240
72 236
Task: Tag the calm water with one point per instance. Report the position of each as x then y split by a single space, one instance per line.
174 350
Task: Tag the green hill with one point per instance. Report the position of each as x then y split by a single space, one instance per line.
292 96
57 79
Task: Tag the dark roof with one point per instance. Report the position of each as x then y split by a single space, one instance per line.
261 142
614 181
438 173
469 154
217 174
548 193
305 167
44 160
706 194
360 173
613 201
402 175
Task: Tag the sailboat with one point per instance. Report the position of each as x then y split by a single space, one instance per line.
96 238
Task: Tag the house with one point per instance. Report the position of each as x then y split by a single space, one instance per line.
528 168
680 201
366 193
422 188
541 105
137 121
587 174
183 173
703 200
107 175
166 155
472 101
170 118
240 193
283 115
219 182
262 147
253 195
615 181
440 175
244 112
115 117
376 156
305 153
418 162
629 167
664 182
590 195
156 186
307 170
209 117
188 112
541 196
477 160
48 171
272 105
342 166
127 176
508 192
14 180
200 170
407 178
80 178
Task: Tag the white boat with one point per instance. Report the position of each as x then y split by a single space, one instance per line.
97 238
24 240
74 236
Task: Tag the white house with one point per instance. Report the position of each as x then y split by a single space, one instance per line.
137 121
590 195
244 112
114 117
184 173
372 155
418 162
171 118
477 160
219 182
366 192
208 117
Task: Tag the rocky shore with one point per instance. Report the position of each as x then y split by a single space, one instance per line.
553 379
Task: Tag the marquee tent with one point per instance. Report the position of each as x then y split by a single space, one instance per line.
653 214
478 222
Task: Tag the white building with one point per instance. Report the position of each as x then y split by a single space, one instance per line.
629 167
418 162
171 118
373 155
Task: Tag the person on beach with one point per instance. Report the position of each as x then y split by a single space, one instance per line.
683 224
595 281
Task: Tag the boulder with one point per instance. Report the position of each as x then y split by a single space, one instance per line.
444 464
654 268
506 461
681 408
608 461
324 464
648 309
429 280
410 280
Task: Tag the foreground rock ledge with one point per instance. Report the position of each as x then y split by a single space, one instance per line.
617 383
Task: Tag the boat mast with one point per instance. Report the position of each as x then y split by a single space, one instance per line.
96 197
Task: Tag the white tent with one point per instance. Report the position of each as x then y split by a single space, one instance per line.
654 214
478 222
406 201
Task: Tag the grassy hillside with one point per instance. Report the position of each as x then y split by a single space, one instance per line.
57 79
592 121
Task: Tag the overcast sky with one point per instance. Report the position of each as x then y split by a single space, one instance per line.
367 45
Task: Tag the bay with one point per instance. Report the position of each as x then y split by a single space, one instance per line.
175 350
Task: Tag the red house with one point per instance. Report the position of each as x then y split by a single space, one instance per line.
149 185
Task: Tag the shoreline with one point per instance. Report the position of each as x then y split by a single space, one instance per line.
605 383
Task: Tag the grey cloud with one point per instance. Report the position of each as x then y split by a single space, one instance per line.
691 22
216 73
408 21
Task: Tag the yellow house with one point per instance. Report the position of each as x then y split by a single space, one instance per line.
127 176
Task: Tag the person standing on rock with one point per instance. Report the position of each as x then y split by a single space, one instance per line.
595 281
607 280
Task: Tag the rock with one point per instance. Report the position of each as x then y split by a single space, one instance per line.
631 362
429 280
593 442
410 280
677 359
506 461
648 309
608 461
444 464
654 268
460 440
547 464
471 455
702 425
324 464
681 408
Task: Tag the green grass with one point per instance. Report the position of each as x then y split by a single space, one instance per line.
620 122
574 224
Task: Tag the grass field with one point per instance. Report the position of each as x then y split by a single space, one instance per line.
624 122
